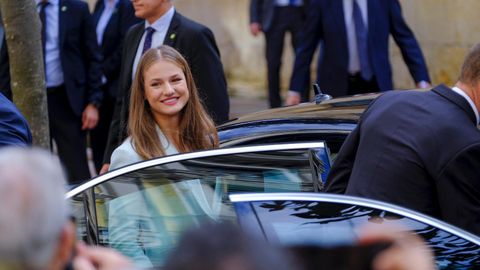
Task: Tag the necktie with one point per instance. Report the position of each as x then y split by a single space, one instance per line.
43 19
361 33
148 39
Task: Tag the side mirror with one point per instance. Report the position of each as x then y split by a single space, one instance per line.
319 96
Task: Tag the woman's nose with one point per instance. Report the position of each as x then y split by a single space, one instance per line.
169 90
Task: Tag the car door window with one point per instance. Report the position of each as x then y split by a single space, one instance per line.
333 223
142 213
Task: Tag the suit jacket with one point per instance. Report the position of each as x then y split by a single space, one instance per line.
262 11
326 24
14 128
122 19
79 56
203 58
420 150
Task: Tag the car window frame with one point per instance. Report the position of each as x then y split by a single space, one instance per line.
358 201
192 155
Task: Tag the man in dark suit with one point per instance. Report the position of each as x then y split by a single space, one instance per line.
112 19
14 128
354 40
72 73
275 18
420 150
164 25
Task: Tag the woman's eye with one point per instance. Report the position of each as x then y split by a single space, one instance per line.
176 79
155 84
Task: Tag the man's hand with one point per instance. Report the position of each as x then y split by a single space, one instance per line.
407 252
93 258
105 168
89 117
423 85
255 29
293 98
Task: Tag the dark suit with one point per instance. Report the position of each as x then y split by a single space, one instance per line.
420 150
123 17
197 44
14 128
326 24
276 22
80 62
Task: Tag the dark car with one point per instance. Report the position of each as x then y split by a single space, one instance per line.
327 220
142 209
330 121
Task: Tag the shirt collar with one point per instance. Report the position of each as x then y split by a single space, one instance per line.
163 22
105 2
469 100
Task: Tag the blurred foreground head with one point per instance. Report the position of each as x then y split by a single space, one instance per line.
34 232
224 246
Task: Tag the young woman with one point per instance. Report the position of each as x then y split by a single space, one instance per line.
166 114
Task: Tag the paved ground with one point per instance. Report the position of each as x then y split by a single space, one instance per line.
241 105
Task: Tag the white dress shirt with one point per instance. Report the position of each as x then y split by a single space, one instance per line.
53 64
470 101
353 59
161 27
284 3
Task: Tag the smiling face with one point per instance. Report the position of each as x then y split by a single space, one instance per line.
166 90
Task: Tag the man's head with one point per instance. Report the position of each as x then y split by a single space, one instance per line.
469 79
35 233
151 10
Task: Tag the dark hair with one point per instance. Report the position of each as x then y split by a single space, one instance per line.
224 246
470 72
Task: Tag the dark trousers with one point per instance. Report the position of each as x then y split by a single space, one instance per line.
65 130
99 135
285 19
357 85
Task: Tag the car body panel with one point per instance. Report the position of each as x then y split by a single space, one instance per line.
330 220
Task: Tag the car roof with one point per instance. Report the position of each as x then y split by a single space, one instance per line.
344 108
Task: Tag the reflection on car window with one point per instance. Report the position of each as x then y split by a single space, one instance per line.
328 223
142 214
145 224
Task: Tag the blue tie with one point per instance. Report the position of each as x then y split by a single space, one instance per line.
362 43
148 39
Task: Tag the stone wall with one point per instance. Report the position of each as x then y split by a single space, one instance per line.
445 30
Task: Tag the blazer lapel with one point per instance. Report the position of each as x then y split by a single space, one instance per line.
62 21
460 101
132 45
112 22
97 13
172 32
339 16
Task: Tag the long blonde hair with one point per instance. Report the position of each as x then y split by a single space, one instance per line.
196 131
